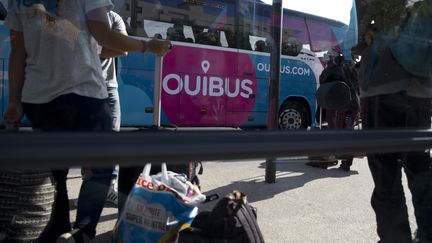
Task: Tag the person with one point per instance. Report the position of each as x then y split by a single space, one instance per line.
394 98
108 62
56 80
261 46
347 117
342 118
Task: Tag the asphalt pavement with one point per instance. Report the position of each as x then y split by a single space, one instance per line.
306 204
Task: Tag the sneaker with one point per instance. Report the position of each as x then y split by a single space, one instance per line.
74 236
112 196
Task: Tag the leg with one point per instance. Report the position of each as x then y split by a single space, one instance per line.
126 180
52 117
418 170
388 200
91 199
60 220
348 123
114 106
419 174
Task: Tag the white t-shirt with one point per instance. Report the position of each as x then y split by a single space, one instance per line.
108 64
62 57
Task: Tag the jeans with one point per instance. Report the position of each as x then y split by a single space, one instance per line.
343 119
127 176
388 200
114 105
72 112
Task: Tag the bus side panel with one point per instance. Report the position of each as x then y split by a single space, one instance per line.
298 80
135 79
262 69
209 83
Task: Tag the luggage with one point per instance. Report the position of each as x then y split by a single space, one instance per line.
232 220
157 207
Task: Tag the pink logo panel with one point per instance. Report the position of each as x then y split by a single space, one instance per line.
204 81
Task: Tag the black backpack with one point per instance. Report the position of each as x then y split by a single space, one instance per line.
231 220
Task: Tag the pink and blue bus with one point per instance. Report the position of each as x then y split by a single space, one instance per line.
217 73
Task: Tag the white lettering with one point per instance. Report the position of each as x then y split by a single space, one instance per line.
176 78
246 88
187 86
207 86
216 84
285 69
204 87
227 88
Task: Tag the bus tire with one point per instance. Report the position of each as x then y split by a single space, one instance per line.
293 116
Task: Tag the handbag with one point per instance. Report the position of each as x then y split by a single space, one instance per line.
157 207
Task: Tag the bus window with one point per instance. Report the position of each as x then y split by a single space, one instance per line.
156 28
175 33
323 36
254 26
188 33
295 26
223 39
208 38
291 47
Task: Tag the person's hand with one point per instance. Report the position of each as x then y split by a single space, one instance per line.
13 115
158 47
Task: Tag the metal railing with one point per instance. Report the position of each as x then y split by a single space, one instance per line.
55 150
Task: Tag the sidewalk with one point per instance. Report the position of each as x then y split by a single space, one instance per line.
305 204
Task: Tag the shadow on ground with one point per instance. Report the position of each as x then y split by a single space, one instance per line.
290 174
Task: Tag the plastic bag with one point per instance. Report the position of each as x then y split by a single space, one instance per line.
157 207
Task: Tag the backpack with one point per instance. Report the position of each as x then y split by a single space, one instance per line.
231 220
412 47
352 82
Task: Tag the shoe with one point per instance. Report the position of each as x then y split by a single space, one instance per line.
74 236
112 196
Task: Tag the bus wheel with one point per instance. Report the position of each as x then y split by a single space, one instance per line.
293 116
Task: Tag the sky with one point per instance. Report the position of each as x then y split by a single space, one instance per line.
333 9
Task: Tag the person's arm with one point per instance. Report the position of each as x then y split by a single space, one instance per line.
118 25
108 53
98 25
17 58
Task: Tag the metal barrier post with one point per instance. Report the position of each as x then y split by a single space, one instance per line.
272 117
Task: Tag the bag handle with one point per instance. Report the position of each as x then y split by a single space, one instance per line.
147 168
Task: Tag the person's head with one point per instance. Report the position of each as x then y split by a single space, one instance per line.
260 45
158 36
291 47
331 56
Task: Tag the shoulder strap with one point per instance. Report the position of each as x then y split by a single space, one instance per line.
248 221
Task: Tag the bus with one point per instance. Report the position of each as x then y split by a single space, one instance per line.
217 72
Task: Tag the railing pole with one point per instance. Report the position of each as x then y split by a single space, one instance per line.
272 116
